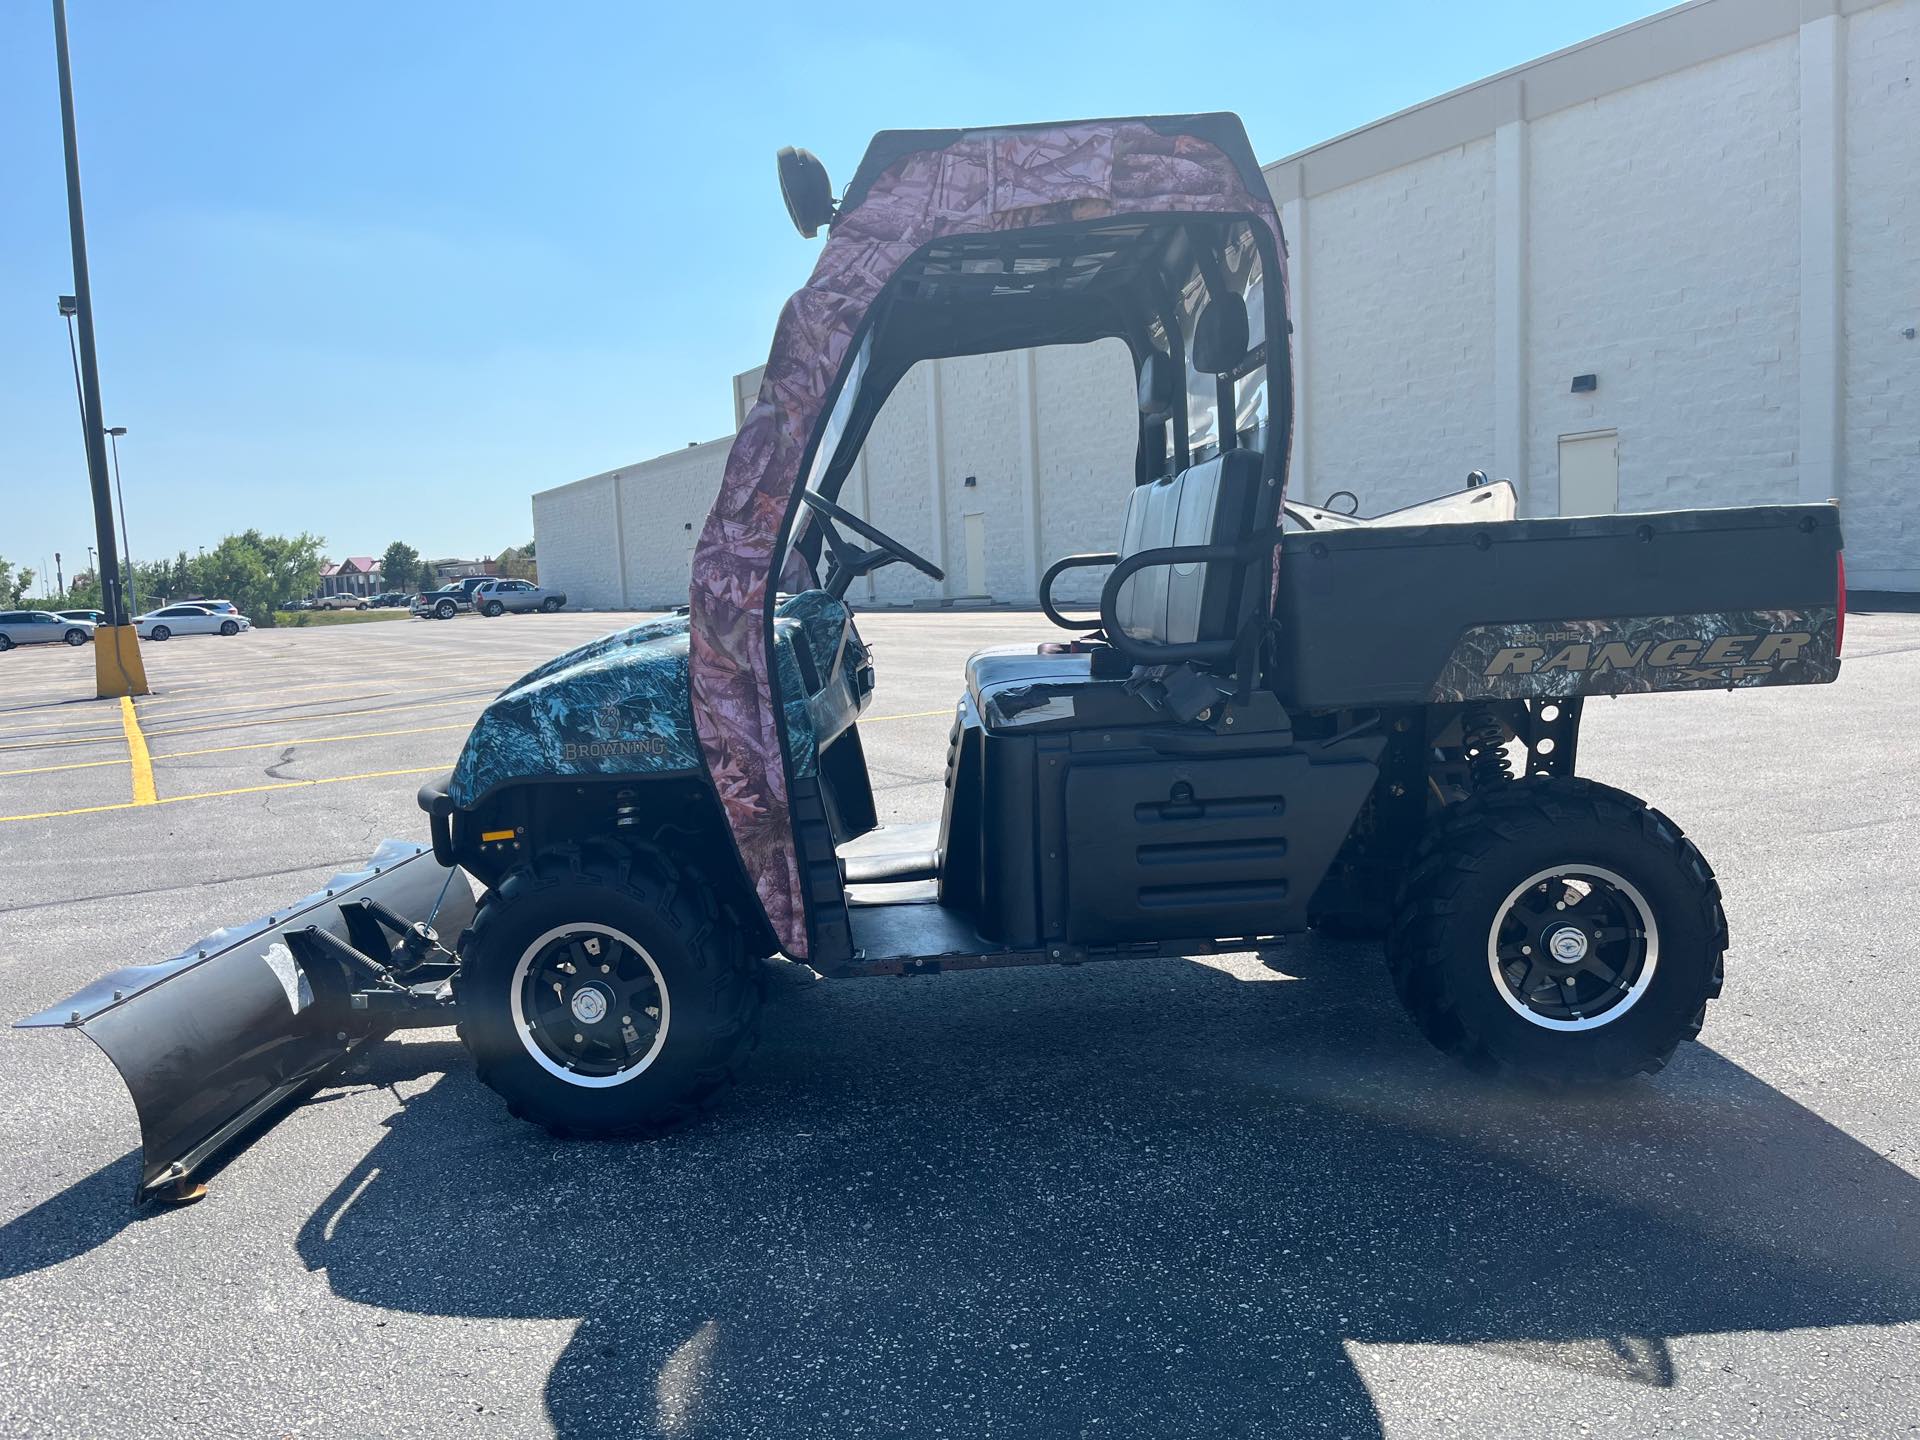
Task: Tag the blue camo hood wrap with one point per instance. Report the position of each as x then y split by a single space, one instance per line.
618 707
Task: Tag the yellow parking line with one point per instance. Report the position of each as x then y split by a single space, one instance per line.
64 727
305 740
220 794
75 765
408 705
219 690
142 762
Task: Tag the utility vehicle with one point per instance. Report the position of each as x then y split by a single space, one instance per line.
1366 726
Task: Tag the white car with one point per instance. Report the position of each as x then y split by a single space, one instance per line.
174 620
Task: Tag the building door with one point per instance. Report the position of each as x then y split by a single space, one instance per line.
1590 473
974 529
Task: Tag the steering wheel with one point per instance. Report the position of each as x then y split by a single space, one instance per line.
849 562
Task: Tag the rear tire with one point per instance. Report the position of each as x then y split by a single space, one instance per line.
6 644
493 609
161 632
659 1032
445 609
1559 931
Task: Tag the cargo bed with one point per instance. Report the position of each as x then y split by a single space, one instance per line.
1585 605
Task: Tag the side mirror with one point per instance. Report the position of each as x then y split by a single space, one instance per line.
806 189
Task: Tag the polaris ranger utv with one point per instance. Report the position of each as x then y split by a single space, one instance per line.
1282 716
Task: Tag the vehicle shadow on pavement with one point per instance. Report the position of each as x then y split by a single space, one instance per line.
1148 1198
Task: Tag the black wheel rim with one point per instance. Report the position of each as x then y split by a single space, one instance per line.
590 1005
1573 948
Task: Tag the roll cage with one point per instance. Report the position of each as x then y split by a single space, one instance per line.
1144 281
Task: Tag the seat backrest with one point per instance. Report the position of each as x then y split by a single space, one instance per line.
1207 504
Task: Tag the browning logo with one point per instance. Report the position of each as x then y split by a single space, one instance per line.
1641 653
612 720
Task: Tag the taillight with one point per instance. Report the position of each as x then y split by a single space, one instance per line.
1839 599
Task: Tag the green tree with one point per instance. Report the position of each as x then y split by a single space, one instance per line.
400 566
153 582
256 572
83 591
14 582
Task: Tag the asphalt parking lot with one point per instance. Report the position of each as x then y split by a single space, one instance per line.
1237 1197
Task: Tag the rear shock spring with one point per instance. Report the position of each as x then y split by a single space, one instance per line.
1485 741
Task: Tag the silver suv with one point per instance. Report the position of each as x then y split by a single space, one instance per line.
41 627
496 597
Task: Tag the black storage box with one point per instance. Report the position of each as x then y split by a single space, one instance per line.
1603 604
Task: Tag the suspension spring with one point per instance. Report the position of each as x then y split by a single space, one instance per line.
1485 741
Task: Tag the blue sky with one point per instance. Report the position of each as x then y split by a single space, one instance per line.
382 270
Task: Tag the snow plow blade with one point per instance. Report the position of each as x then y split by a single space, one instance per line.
219 1037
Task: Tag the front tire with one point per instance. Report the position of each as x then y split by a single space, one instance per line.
76 637
1559 931
551 604
604 994
229 627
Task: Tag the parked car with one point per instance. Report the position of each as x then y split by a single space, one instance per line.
442 604
387 599
219 607
496 597
41 627
92 617
341 602
173 620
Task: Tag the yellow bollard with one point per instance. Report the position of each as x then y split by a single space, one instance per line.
116 662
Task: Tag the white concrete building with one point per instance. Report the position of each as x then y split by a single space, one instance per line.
1677 265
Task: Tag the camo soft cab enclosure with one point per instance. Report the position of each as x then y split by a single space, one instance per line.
912 189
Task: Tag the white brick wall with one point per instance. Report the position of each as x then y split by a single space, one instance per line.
1087 426
1880 404
897 458
574 538
1663 235
1400 339
662 504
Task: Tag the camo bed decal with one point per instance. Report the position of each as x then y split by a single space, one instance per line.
1728 650
982 181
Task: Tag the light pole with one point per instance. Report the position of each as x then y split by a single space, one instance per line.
117 667
120 498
